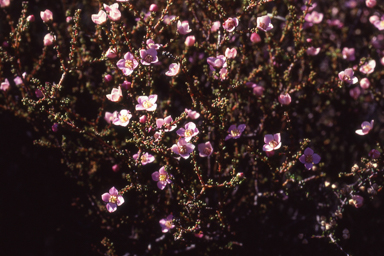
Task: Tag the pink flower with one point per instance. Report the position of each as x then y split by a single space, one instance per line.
347 76
314 18
368 67
145 158
215 26
174 69
357 201
30 18
272 142
162 177
113 11
370 3
285 99
168 19
255 38
218 62
153 8
348 53
115 95
147 103
365 128
116 168
190 41
230 24
111 53
374 154
128 64
122 118
5 85
313 51
364 83
230 53
235 132
264 23
192 114
99 18
18 80
4 3
304 7
374 18
109 117
223 74
188 131
309 158
166 123
113 199
148 56
167 224
183 27
355 93
379 24
151 44
49 39
183 148
46 15
257 89
205 149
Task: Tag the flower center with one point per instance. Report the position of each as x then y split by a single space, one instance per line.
113 199
129 64
346 78
124 118
263 25
143 158
162 177
207 150
183 149
367 68
168 224
188 133
148 58
231 23
308 159
147 104
273 143
235 132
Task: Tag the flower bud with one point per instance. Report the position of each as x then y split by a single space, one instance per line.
153 8
190 41
255 38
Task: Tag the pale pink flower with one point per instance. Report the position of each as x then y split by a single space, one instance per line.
217 62
366 127
190 41
255 38
167 224
113 11
368 67
223 74
165 124
235 131
188 131
379 24
230 24
364 83
113 199
374 18
215 26
99 18
335 22
272 142
49 39
18 80
314 18
162 177
205 149
5 85
151 44
357 201
111 53
309 158
122 118
370 3
264 23
145 158
192 114
46 15
168 19
183 27
304 7
230 53
183 148
115 95
128 64
313 51
4 3
347 76
174 69
147 103
68 19
109 117
153 8
348 53
285 99
355 93
122 0
374 154
148 56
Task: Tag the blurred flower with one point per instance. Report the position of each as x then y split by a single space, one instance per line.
145 158
148 56
166 123
151 44
314 18
364 83
255 38
230 24
365 128
116 168
183 27
30 18
257 89
357 201
128 64
188 131
168 18
115 95
215 26
113 11
55 127
162 177
99 18
309 158
205 149
368 67
147 103
111 53
190 41
347 76
235 131
153 8
304 7
49 39
18 80
272 142
174 69
183 148
46 15
125 85
355 93
5 85
313 51
348 53
379 24
167 224
217 62
109 117
230 53
374 154
264 23
192 114
370 3
223 74
113 199
39 93
285 99
122 118
108 78
4 3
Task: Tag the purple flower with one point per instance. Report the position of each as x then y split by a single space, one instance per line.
205 149
122 118
167 223
192 114
109 117
183 148
174 69
147 103
357 201
264 23
5 85
218 62
365 128
113 199
272 142
183 27
188 131
145 158
151 44
347 76
148 56
162 177
166 122
128 64
348 53
235 132
309 158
